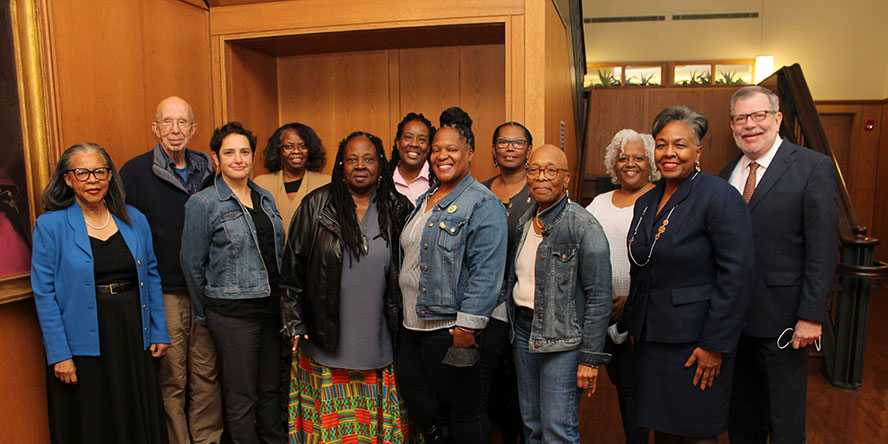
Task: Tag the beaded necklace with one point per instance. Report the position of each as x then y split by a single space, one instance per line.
660 230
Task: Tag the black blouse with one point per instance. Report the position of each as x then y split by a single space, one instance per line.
113 260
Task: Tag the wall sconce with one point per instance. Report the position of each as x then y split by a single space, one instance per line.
764 66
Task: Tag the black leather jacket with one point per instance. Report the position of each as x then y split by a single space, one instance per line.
312 268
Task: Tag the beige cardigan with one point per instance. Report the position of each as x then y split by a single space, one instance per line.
287 204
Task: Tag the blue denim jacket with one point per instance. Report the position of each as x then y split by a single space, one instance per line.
220 250
463 255
572 294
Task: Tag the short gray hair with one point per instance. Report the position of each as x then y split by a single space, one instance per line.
615 147
695 120
749 91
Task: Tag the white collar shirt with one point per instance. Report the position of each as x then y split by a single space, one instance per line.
741 170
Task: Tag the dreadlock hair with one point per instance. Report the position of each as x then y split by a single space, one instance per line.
344 204
454 117
316 153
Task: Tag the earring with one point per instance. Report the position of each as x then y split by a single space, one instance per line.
495 163
698 164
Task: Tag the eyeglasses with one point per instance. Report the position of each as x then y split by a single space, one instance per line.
82 174
167 125
548 172
289 147
504 144
757 116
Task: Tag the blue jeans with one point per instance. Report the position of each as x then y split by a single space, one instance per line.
547 389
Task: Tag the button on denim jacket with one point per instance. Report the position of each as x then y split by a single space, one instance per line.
220 250
463 255
572 294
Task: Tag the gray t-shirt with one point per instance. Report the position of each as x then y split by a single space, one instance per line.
411 244
364 339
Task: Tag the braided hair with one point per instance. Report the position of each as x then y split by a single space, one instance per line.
344 204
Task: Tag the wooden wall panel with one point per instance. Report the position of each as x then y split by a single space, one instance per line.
253 95
336 94
610 111
880 211
22 375
297 14
177 63
559 101
429 80
482 95
856 150
99 67
371 90
636 108
112 69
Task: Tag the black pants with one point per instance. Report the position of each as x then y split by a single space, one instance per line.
619 370
770 390
438 394
248 350
499 382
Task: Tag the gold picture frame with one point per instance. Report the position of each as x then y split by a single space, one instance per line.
31 51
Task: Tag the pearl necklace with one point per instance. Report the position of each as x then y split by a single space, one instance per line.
98 227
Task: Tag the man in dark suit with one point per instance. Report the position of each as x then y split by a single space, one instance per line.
790 191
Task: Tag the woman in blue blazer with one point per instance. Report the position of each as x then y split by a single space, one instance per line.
99 302
690 249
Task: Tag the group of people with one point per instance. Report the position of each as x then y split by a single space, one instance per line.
402 300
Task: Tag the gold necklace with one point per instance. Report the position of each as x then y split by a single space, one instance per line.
538 226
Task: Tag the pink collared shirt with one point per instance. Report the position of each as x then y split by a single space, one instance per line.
414 189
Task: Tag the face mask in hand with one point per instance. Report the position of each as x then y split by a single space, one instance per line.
789 341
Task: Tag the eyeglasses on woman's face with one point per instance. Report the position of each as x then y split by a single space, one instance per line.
83 174
504 144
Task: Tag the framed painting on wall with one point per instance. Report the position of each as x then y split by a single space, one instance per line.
25 155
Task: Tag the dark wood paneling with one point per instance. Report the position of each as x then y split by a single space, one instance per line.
880 212
336 94
635 108
482 94
138 52
371 90
253 95
22 376
370 40
856 150
189 75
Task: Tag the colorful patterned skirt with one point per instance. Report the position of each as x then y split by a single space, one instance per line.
333 405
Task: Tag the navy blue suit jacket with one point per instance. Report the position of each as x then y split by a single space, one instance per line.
795 227
693 290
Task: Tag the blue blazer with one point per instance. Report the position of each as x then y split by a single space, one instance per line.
694 288
63 281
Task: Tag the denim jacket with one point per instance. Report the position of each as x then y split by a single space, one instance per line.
220 250
572 294
463 255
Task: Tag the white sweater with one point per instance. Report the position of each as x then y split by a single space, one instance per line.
615 222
